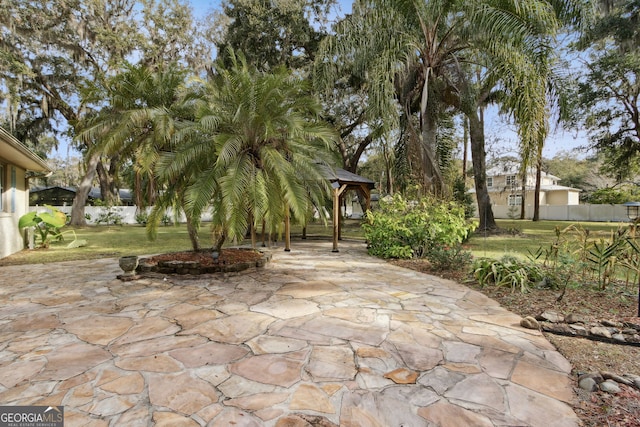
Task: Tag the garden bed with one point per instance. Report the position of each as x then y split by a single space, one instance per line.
203 262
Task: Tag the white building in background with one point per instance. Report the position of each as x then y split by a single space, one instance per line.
556 201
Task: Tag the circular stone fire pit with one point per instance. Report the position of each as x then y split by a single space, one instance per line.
203 262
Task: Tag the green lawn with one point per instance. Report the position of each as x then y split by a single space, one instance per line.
530 236
116 241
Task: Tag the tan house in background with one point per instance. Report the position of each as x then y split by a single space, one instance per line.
505 187
505 190
17 165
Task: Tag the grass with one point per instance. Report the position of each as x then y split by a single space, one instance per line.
528 236
116 241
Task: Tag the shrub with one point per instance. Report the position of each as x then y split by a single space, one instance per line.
612 196
445 258
406 229
508 271
142 217
463 197
110 215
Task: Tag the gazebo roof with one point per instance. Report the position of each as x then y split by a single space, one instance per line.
341 181
342 176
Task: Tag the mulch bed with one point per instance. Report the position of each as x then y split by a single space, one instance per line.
203 262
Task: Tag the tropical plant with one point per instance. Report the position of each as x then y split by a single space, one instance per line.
449 258
138 121
255 150
109 215
603 256
507 271
48 224
401 228
142 217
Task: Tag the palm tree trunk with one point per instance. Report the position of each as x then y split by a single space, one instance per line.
466 147
219 242
524 195
478 158
138 189
82 192
252 230
107 182
193 234
432 176
536 193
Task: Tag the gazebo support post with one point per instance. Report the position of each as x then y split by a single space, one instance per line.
337 191
287 229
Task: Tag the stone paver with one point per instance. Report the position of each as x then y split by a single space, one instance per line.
314 338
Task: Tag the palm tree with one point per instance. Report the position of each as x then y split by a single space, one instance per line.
431 54
253 152
138 121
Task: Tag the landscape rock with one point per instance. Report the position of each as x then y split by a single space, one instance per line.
558 328
550 316
588 384
618 337
575 318
600 331
530 323
579 330
596 376
610 386
575 325
610 324
617 378
632 325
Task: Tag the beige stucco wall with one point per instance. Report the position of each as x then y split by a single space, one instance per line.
557 198
15 203
560 198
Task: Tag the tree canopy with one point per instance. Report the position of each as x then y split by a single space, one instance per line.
608 94
420 59
134 82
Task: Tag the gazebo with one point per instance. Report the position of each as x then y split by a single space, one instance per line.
341 181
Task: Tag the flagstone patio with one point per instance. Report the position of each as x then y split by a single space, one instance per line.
313 338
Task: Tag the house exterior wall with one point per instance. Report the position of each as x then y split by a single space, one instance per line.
505 187
17 163
557 198
573 198
14 204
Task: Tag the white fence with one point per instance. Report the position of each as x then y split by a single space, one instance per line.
127 214
597 213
